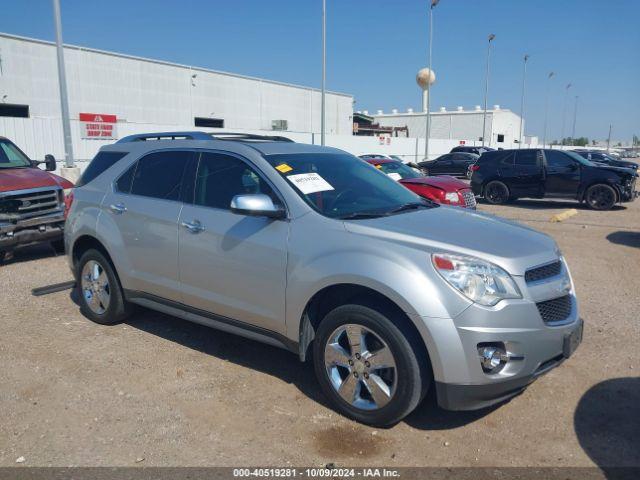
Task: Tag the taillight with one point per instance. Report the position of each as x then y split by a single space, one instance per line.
474 168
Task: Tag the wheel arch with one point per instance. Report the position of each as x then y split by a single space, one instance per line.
609 183
87 242
332 296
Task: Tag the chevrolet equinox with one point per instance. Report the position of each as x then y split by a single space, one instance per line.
311 249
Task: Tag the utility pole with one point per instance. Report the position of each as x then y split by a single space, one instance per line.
575 115
609 138
428 115
486 90
564 111
62 81
546 110
524 78
324 70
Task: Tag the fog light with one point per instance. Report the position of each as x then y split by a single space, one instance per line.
492 358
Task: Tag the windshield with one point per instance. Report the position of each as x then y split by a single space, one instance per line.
11 156
397 170
579 158
343 186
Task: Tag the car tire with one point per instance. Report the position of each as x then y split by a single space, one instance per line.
600 197
100 293
3 256
496 192
368 392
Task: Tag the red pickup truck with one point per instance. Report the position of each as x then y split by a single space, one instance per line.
32 201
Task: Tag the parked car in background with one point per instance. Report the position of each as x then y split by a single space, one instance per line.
32 201
455 164
600 157
471 149
505 175
378 156
307 248
446 190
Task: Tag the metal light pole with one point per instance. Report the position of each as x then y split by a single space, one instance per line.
546 111
486 89
62 81
524 78
428 115
564 111
324 69
609 138
575 115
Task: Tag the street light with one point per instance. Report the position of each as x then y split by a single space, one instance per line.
575 115
62 82
546 111
564 110
486 89
524 77
428 127
324 69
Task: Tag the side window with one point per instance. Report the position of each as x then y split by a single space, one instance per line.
99 164
556 159
123 185
159 175
527 158
221 177
506 160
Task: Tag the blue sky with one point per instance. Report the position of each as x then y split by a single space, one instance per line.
375 47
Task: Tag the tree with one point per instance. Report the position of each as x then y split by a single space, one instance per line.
593 142
636 140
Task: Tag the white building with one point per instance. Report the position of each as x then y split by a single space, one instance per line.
131 95
502 125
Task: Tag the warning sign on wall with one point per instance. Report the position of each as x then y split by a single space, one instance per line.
98 126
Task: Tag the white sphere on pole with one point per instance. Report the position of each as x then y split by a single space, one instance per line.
425 77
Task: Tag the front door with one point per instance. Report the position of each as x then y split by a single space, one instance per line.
145 206
562 174
232 265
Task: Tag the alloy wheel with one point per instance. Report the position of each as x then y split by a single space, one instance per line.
601 197
360 366
95 287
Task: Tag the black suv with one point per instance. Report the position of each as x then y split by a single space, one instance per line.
602 157
504 175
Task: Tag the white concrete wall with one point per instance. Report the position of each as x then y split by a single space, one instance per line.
144 92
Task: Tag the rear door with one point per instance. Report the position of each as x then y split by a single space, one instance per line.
562 174
461 163
232 265
527 180
145 206
442 165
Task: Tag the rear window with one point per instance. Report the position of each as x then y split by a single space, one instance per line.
101 162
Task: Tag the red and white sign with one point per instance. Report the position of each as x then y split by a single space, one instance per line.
462 142
98 126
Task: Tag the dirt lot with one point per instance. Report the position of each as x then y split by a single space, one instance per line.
160 391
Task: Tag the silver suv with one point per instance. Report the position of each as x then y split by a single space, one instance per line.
311 249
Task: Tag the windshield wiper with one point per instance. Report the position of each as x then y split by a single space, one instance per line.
409 206
357 215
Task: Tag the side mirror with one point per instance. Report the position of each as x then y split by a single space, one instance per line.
49 162
256 205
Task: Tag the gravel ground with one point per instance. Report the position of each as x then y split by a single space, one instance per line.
161 391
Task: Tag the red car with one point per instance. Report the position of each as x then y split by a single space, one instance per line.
32 201
442 189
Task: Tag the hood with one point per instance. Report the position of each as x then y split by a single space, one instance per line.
444 182
512 246
26 178
618 170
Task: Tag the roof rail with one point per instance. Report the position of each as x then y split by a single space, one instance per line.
143 137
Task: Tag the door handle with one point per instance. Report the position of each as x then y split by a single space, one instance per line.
118 208
194 226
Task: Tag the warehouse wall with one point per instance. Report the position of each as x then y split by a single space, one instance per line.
142 91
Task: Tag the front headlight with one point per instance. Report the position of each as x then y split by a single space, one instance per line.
479 281
452 197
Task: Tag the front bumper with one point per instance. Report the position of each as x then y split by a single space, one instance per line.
452 396
31 231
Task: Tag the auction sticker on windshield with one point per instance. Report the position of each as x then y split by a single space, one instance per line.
395 176
309 183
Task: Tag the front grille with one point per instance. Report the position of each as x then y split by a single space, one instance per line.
32 203
545 271
556 310
469 198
